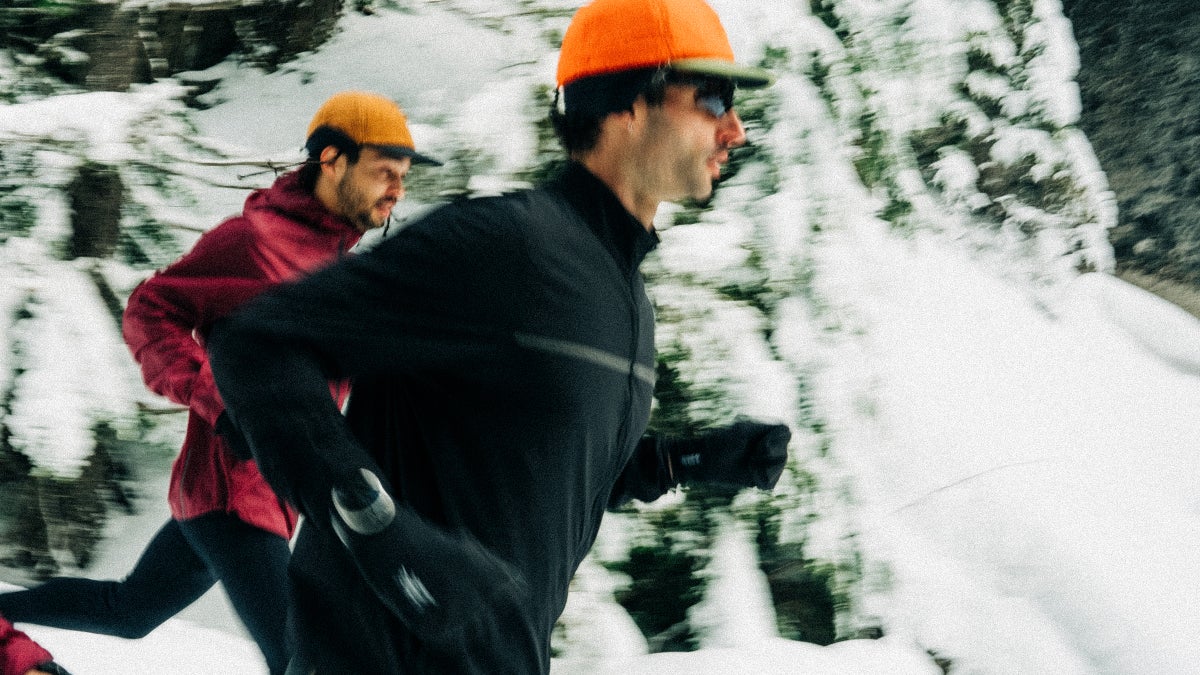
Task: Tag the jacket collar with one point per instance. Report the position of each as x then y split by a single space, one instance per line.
623 234
289 198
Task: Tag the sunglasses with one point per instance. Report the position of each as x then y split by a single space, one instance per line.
714 95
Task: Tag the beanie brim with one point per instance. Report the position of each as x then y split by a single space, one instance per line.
400 152
745 77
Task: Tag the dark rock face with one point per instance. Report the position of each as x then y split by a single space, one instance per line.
1140 85
108 47
47 523
95 195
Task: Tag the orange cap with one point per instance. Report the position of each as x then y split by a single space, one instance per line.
608 36
369 119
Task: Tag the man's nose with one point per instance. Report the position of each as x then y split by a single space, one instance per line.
730 132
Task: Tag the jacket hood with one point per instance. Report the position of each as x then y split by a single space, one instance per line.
288 198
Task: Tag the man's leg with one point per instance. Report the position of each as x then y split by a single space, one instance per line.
252 565
168 577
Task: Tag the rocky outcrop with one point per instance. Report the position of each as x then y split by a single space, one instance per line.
51 522
109 46
1140 87
95 197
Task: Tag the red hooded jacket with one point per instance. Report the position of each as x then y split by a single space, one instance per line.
284 232
18 653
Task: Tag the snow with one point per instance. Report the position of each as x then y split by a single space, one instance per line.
55 399
1048 461
264 113
104 121
736 611
1011 444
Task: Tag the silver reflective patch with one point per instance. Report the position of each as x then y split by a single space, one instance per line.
597 357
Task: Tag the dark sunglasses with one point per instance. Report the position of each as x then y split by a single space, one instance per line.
714 95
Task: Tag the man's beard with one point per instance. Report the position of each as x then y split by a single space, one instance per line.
354 205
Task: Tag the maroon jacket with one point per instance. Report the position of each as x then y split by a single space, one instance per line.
18 653
284 232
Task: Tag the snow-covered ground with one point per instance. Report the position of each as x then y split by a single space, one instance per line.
1031 478
1014 461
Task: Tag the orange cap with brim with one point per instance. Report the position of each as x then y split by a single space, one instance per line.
369 119
608 36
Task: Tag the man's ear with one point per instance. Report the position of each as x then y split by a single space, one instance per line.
624 119
329 157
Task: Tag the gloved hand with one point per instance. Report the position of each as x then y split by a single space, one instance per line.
744 454
435 582
51 668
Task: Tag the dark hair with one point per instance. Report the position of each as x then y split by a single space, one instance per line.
323 137
587 101
576 132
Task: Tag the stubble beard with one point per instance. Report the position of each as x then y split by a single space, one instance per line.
687 174
699 180
356 206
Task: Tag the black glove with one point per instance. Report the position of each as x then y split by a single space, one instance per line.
436 583
745 454
52 668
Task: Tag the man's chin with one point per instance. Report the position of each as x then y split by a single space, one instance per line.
376 220
367 223
697 198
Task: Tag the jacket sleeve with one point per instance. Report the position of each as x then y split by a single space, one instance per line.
18 653
646 477
168 314
431 297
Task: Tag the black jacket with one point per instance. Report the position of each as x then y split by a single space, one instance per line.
502 351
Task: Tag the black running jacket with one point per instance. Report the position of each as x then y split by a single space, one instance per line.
502 355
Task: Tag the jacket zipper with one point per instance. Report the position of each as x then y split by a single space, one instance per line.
631 379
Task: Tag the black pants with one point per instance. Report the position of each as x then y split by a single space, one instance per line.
181 563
